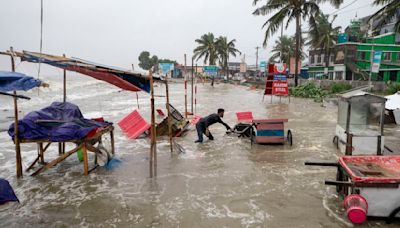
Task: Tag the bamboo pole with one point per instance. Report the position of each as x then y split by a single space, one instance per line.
192 87
65 83
61 146
185 87
137 100
195 91
169 114
153 145
16 130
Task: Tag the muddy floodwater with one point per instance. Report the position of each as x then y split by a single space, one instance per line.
221 183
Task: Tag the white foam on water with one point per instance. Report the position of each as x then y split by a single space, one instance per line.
333 214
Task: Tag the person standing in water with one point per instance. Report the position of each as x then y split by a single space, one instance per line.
204 123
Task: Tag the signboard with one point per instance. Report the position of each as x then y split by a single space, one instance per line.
263 66
165 68
280 68
292 66
280 77
280 87
243 68
376 62
210 70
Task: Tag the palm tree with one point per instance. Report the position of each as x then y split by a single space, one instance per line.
390 10
322 35
284 49
207 49
224 50
289 10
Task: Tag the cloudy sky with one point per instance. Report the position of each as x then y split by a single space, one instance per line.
114 32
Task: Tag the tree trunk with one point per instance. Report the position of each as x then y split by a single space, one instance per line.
327 57
227 69
297 54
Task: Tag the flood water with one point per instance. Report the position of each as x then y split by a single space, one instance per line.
221 183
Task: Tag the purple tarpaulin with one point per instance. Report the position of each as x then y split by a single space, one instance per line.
6 192
59 122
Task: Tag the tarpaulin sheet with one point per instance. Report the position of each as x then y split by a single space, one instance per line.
10 81
123 79
59 122
6 192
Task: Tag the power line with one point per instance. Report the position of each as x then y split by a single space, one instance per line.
344 7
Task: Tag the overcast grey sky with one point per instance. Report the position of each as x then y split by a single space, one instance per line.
114 32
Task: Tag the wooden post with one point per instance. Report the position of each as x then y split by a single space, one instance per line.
137 100
153 143
41 153
192 87
382 125
85 160
185 87
65 84
349 138
195 91
112 141
16 130
169 114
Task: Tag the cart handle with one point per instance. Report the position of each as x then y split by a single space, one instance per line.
321 163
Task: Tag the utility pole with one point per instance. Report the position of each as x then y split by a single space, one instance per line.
257 60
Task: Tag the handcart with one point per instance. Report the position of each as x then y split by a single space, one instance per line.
370 186
262 131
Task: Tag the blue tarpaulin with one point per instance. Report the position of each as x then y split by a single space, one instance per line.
6 192
58 123
10 81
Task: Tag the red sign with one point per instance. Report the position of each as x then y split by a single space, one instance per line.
280 68
280 88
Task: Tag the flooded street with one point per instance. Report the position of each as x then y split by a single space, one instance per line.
220 183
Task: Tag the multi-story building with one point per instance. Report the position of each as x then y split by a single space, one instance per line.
351 57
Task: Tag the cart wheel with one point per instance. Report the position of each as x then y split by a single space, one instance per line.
392 215
336 141
252 136
289 137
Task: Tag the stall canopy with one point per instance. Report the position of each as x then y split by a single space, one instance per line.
13 81
123 79
393 101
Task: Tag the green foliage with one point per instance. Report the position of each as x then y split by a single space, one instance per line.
212 49
167 61
309 90
284 48
393 88
339 87
386 14
207 49
146 62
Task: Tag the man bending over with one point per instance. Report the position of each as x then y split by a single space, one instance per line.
204 123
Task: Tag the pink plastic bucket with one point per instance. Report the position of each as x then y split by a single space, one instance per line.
356 208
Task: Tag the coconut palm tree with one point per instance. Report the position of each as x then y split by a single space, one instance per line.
390 10
284 49
207 49
322 35
224 50
289 10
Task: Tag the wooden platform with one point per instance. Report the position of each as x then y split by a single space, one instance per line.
84 144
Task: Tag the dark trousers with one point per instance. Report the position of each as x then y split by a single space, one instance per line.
201 129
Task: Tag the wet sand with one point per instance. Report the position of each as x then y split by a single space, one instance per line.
220 183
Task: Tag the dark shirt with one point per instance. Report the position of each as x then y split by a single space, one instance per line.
212 119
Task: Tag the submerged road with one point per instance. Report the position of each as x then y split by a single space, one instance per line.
220 183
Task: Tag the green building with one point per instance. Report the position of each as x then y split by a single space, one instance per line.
351 56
